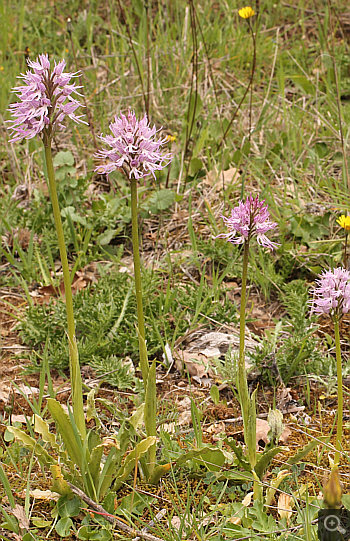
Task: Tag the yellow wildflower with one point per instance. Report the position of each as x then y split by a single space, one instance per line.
246 12
344 222
171 138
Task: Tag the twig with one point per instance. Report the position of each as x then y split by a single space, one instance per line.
111 518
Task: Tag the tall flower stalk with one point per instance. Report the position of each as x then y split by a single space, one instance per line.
134 149
332 298
44 101
249 219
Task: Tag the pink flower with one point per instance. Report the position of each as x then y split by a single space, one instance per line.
43 103
133 147
332 294
247 220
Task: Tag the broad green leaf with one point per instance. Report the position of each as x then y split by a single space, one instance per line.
108 473
42 428
89 534
68 507
161 199
64 157
64 526
65 429
214 394
304 451
59 484
129 464
238 450
40 522
158 473
137 417
265 461
195 166
39 451
94 464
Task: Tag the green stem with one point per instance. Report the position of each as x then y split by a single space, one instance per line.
74 367
241 373
138 286
340 395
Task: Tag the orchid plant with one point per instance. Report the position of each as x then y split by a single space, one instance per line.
248 220
332 298
45 99
135 149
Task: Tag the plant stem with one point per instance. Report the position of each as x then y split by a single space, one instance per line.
241 373
138 286
74 367
340 395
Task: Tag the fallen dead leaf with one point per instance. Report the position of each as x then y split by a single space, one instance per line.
247 500
45 495
196 363
284 506
263 428
19 512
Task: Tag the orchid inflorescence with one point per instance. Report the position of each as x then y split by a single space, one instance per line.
247 220
133 148
43 103
332 294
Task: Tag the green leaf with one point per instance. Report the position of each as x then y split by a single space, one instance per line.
64 157
304 451
161 199
59 485
40 522
321 150
137 417
214 394
238 450
105 238
195 166
68 507
39 451
89 534
129 464
265 461
64 526
64 426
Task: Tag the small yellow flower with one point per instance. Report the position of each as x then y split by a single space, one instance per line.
246 12
1 68
171 138
344 222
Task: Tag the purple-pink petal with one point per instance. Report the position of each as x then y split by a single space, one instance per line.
42 100
134 146
248 219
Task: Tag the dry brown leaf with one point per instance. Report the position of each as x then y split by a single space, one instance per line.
247 500
18 419
45 495
262 429
19 512
184 418
220 178
196 363
215 428
284 506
